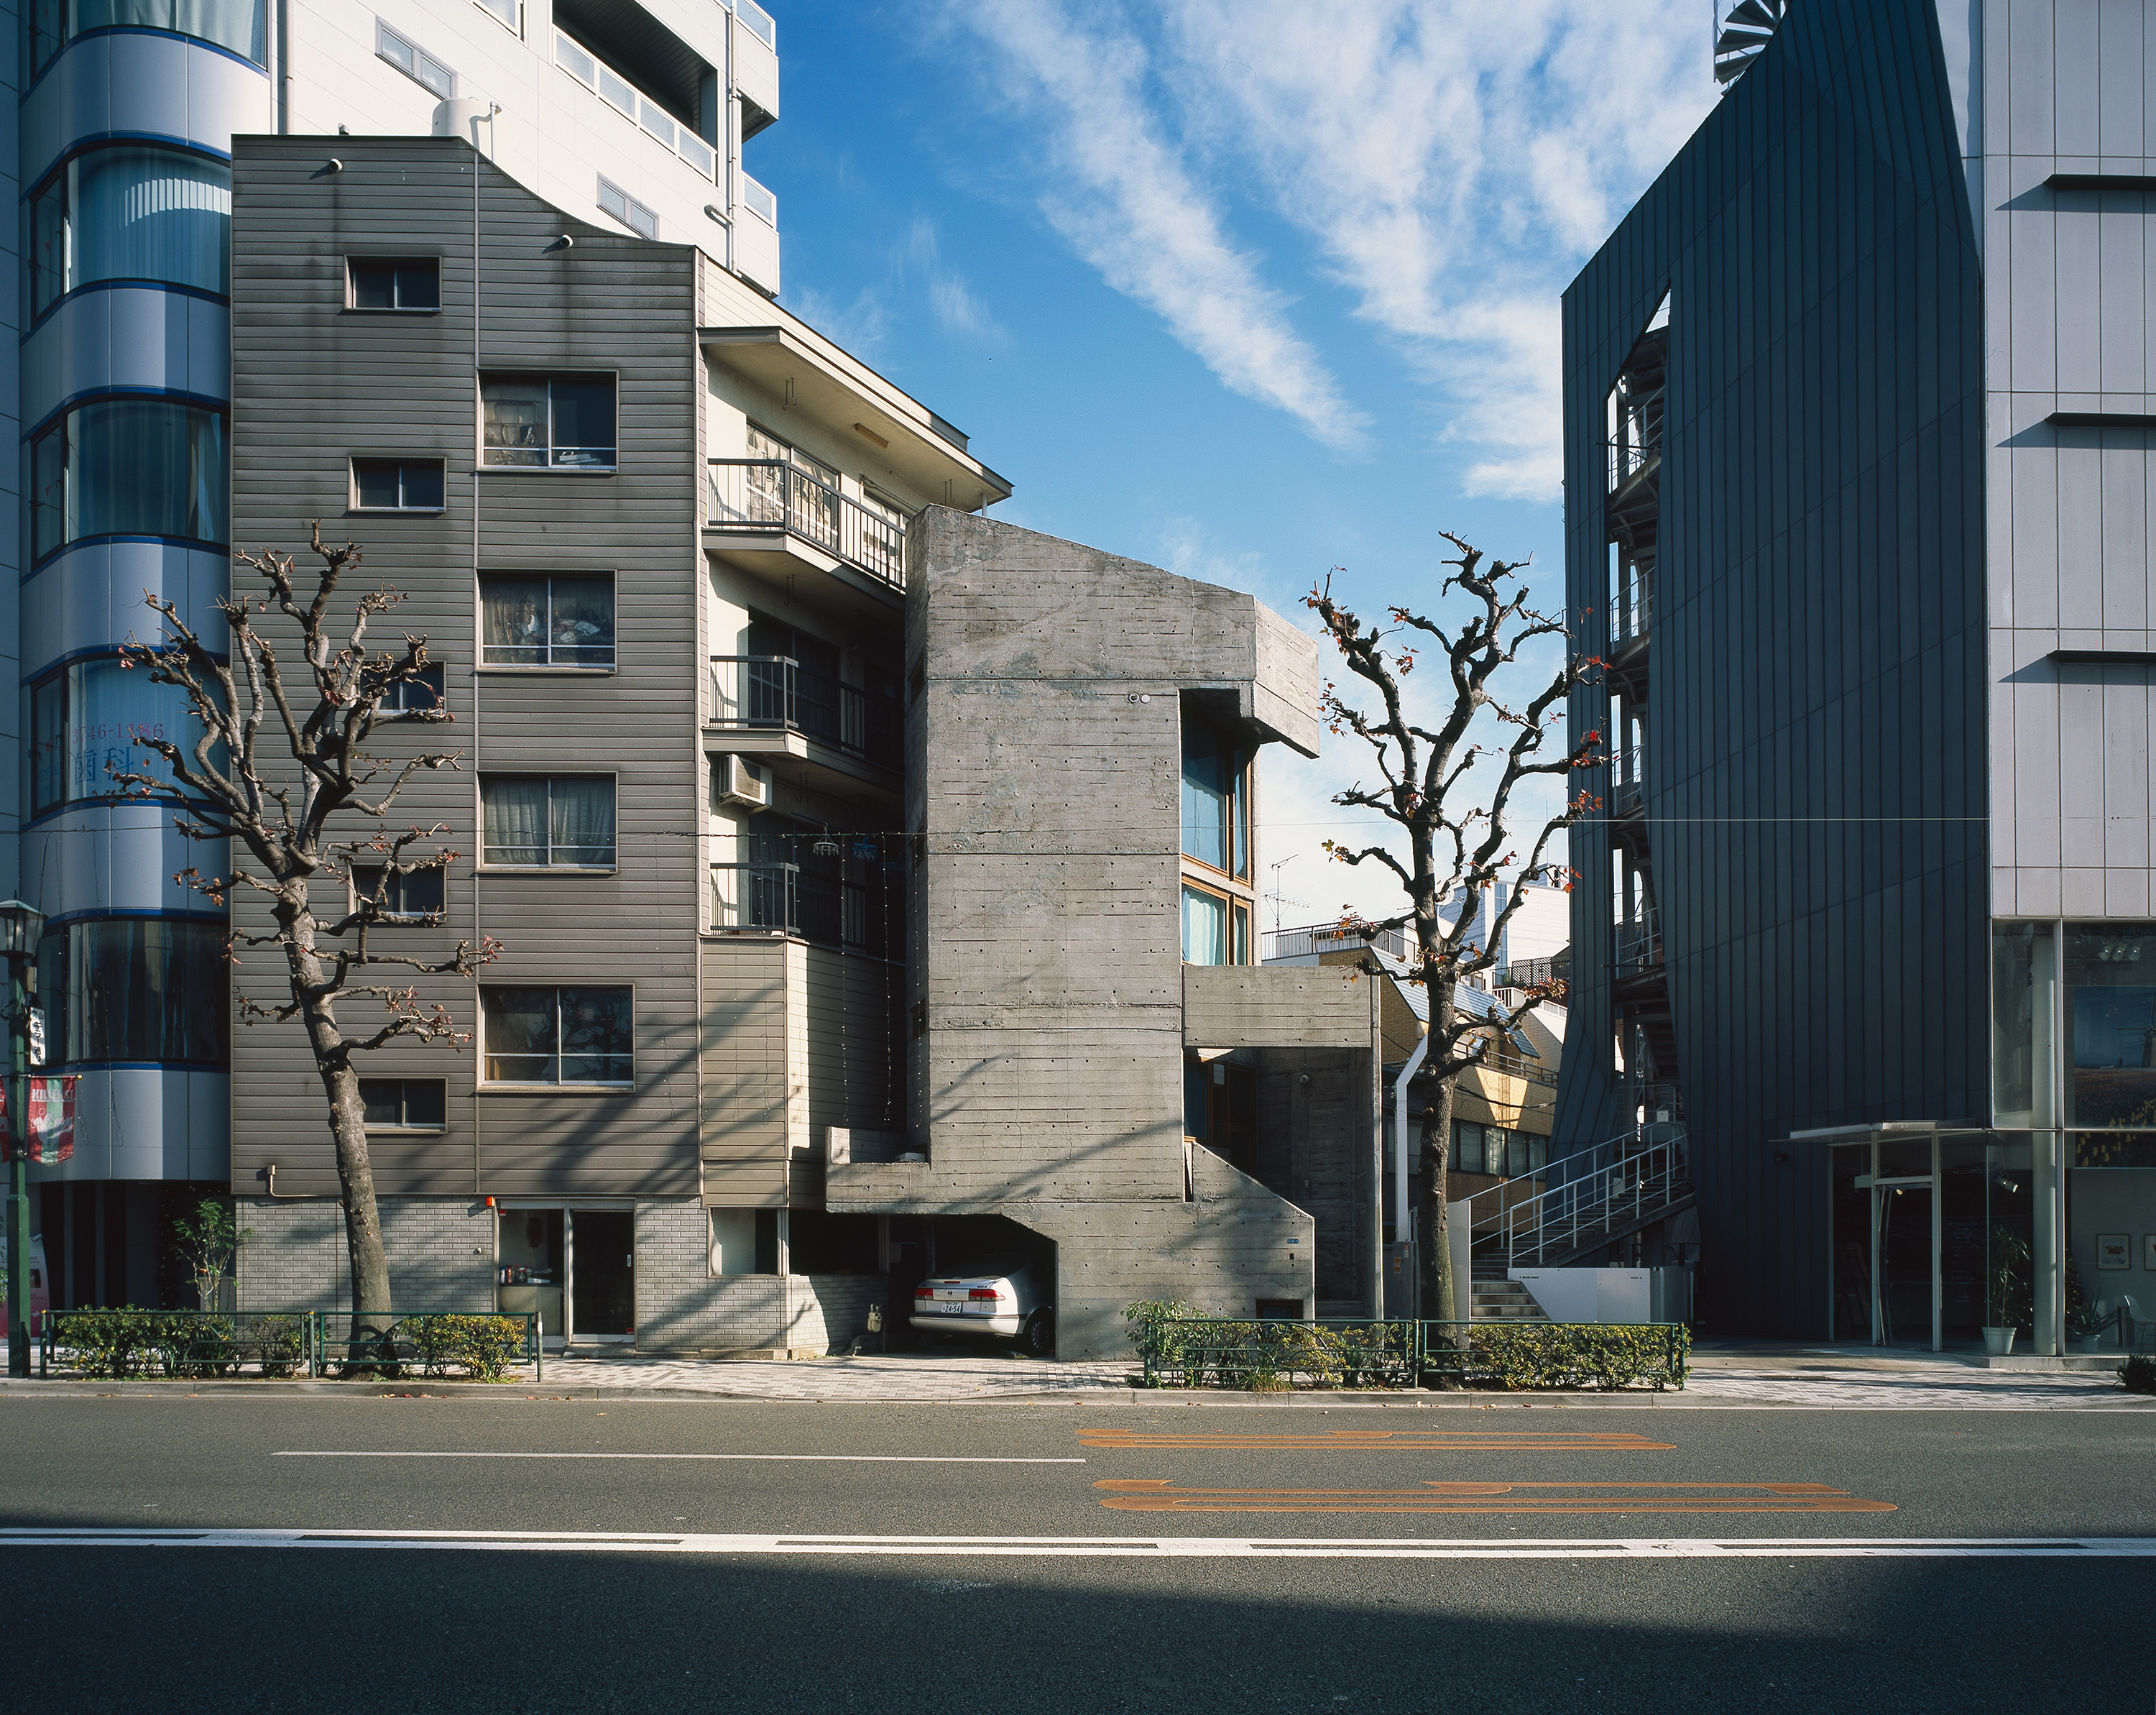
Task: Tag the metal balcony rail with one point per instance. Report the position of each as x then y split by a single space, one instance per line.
1639 941
1631 604
756 896
1612 1184
776 693
759 21
760 201
611 87
1331 937
1515 1066
1628 782
1525 972
766 494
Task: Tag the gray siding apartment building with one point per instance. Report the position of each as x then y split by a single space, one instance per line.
875 879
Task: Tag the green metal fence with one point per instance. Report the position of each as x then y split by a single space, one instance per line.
209 1343
194 1343
1267 1355
431 1342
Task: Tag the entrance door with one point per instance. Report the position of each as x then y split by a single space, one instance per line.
1905 1264
602 1280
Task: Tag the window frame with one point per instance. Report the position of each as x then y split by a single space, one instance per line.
1239 832
1237 921
64 677
550 775
384 35
514 23
62 428
630 207
354 504
396 918
351 286
60 184
434 676
547 467
520 1084
613 664
407 1127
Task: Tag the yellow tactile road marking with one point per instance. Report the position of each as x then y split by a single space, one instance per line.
1150 1495
1378 1441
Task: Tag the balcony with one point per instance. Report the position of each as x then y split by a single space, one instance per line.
1639 943
635 106
1628 784
777 694
844 903
763 498
1631 610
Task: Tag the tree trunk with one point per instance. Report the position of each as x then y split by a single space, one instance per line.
1439 1291
371 1302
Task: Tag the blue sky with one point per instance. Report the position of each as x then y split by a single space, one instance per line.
1243 288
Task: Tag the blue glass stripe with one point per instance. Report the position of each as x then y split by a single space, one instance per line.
140 29
88 286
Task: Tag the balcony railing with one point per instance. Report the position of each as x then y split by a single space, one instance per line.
1631 609
633 105
833 904
776 693
1628 783
1639 943
766 494
1331 937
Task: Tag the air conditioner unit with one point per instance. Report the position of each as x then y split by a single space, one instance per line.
743 782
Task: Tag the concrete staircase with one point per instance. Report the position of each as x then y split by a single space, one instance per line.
1503 1301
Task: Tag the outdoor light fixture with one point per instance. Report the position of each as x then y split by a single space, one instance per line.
20 927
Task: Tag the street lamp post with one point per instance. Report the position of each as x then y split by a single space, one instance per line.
20 927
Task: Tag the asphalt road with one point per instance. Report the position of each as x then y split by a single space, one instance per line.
1183 1558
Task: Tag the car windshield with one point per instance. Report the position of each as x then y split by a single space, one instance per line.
987 1266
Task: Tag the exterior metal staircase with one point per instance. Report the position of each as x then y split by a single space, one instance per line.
1610 1192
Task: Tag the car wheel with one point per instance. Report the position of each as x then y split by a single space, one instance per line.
1037 1339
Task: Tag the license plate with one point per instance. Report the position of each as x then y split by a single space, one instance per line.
950 1306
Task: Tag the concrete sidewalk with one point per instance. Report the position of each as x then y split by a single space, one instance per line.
1728 1375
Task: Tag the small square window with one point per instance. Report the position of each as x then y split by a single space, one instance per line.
426 694
395 283
404 1104
416 898
413 61
397 484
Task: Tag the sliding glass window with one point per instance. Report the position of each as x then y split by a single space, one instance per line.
87 722
129 212
238 26
129 467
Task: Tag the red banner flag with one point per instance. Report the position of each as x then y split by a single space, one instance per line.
52 1119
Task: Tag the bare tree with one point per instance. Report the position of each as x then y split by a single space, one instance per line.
277 793
1457 833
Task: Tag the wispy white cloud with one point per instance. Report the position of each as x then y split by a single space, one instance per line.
1122 195
1452 162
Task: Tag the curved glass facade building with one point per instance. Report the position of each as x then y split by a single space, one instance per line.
128 109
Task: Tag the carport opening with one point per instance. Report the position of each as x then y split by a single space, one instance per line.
957 1244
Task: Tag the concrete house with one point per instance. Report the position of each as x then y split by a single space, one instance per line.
872 874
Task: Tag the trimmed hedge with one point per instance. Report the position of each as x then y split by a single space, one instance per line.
129 1342
1181 1347
482 1346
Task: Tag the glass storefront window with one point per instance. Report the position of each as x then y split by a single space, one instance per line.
1987 1234
2110 1011
2111 1239
2021 1010
87 722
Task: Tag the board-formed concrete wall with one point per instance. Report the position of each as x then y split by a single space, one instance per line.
1046 686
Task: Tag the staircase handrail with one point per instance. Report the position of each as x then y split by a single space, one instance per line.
1641 1174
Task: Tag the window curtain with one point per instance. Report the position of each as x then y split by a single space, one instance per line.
1205 928
237 24
514 615
1205 788
150 214
143 467
583 622
513 420
581 819
136 989
597 1042
520 1036
513 817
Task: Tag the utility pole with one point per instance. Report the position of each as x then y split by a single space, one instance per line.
20 927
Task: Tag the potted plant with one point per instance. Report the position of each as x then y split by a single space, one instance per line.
2084 1320
2005 1291
209 1239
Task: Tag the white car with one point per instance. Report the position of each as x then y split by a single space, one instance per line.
997 1298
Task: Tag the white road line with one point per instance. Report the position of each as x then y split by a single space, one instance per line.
821 1458
1153 1548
